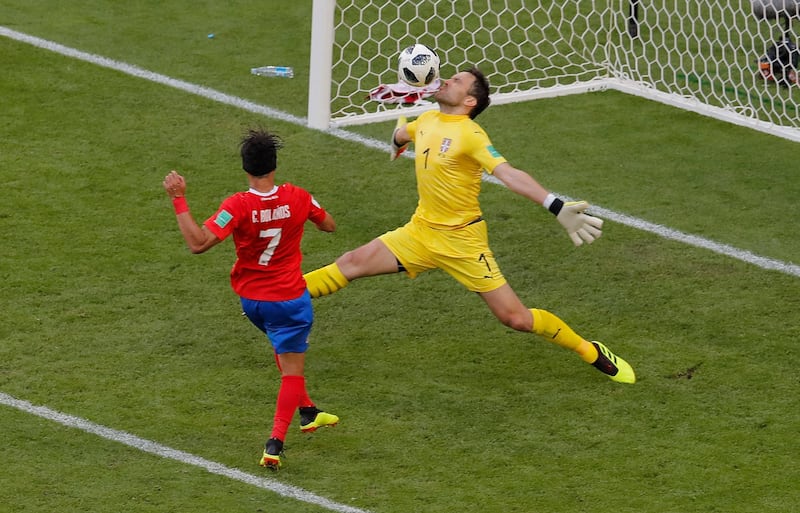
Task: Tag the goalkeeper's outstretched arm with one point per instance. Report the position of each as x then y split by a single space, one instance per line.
580 226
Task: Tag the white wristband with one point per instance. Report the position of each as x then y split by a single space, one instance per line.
549 200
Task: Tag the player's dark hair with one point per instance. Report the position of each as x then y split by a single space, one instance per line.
260 151
479 91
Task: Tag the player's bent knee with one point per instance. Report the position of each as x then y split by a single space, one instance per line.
368 260
517 321
353 263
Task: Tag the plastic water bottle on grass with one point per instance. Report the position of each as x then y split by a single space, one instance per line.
273 71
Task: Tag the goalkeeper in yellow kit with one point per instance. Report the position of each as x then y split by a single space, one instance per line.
447 230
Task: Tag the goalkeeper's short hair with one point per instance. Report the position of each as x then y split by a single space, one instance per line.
479 91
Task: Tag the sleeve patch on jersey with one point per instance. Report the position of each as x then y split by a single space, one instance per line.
223 218
494 153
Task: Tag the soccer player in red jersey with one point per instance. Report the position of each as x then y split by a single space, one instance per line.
267 223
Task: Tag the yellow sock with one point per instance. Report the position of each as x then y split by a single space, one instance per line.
325 280
554 329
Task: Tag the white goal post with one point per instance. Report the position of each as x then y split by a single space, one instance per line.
699 55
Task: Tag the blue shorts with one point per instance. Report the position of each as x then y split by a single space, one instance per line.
286 323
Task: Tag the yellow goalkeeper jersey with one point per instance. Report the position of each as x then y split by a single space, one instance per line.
451 153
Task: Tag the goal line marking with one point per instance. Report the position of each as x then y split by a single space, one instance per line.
148 446
212 94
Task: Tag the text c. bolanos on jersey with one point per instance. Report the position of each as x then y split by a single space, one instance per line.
267 229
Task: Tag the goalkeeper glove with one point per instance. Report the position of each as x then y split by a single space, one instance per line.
581 227
397 150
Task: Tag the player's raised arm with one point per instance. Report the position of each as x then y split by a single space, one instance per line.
197 237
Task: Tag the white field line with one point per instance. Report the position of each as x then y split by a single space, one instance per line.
700 242
686 238
211 94
151 447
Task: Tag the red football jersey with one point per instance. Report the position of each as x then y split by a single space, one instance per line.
267 229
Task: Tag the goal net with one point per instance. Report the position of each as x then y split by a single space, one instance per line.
700 55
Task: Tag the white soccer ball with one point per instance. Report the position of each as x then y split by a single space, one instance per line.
418 65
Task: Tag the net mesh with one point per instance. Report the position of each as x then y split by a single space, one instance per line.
704 51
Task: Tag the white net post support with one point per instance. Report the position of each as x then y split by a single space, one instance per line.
319 76
699 55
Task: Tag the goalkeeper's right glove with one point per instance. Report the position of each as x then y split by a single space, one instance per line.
397 150
581 227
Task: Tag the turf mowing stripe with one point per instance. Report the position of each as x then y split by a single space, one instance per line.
700 242
205 92
685 238
151 447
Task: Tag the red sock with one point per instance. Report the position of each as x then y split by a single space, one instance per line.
289 396
305 401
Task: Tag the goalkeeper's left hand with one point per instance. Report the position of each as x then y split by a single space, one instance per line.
397 149
580 226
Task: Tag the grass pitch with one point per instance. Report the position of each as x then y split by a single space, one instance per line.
109 318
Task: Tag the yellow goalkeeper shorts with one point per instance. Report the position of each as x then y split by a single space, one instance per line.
463 253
